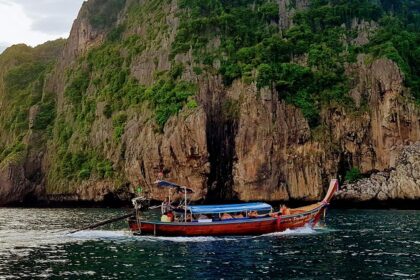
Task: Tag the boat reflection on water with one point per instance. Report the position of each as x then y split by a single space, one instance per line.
230 219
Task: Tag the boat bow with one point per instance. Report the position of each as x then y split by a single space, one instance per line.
331 191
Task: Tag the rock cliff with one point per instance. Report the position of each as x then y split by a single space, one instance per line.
124 111
402 182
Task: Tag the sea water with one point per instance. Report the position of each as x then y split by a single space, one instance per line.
354 244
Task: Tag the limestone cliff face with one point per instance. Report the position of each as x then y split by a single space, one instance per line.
401 182
239 142
276 158
180 151
22 140
391 122
83 36
273 150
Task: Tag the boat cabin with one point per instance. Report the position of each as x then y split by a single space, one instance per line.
226 212
209 213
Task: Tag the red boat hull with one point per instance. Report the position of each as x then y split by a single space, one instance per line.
250 226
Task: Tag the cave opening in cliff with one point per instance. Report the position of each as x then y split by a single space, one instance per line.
345 163
222 126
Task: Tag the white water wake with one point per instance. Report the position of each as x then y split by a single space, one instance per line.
305 230
99 234
183 239
107 234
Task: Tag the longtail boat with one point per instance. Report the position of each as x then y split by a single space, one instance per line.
230 219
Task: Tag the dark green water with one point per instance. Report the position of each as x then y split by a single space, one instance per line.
356 244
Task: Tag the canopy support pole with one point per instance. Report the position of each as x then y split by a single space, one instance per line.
185 210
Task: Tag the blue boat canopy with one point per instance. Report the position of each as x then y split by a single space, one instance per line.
167 184
229 208
179 188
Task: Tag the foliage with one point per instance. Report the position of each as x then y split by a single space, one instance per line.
238 39
353 175
249 42
45 116
112 82
11 153
107 111
63 132
399 41
105 13
241 23
231 109
168 97
23 70
84 165
118 122
77 86
192 103
20 77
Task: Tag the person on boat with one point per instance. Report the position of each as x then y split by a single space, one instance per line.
238 216
284 210
226 216
253 214
166 205
203 217
165 218
170 215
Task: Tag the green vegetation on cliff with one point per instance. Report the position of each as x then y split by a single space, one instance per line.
23 70
103 76
180 42
105 13
305 63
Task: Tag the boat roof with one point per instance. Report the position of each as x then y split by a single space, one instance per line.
167 184
229 208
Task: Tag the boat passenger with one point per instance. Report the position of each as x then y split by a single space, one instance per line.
165 218
170 216
226 216
203 217
253 214
189 217
166 205
284 210
238 216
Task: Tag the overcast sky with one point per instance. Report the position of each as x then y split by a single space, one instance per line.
34 22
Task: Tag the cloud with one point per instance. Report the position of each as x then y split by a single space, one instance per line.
3 46
53 17
34 22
